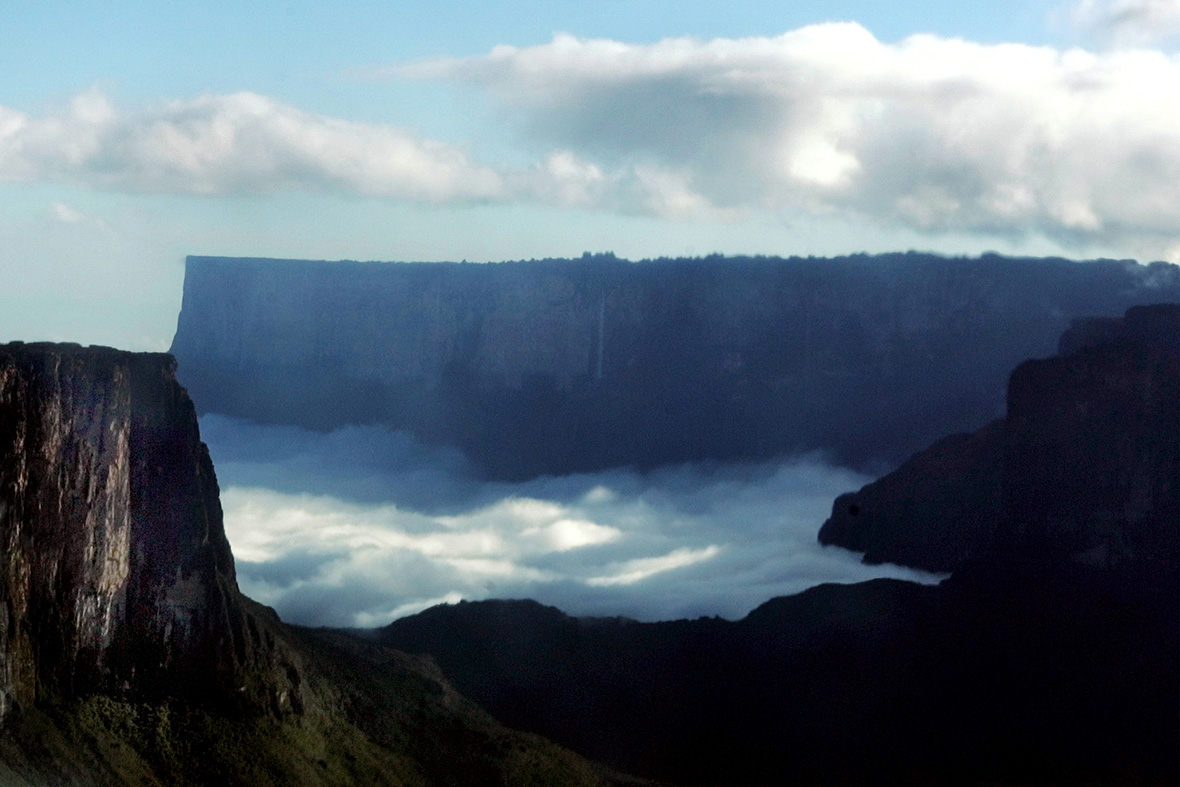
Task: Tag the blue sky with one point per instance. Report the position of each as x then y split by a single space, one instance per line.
132 134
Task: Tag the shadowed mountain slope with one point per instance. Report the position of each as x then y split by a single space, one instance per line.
1084 461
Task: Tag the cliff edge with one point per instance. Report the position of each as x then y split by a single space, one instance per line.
1084 467
548 367
127 653
116 571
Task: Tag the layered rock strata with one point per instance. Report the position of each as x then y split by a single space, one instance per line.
1084 464
116 573
557 366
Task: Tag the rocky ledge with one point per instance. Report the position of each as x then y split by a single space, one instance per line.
1084 467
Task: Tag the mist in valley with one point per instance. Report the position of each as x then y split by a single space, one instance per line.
359 526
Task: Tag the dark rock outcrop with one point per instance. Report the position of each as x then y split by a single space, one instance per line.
557 366
1092 455
127 653
1083 464
116 570
935 512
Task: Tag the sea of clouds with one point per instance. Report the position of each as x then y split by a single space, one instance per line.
362 525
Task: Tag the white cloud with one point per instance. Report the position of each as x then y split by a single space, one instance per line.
929 135
334 529
935 134
66 214
631 571
242 143
1127 22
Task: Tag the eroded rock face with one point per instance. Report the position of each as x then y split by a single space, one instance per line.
115 573
1084 468
559 366
1092 460
935 512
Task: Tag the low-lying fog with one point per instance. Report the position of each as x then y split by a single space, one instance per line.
363 525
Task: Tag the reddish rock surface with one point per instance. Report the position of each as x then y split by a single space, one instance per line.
117 575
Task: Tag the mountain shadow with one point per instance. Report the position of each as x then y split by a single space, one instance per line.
1050 655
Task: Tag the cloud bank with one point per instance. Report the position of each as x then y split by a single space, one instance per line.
241 143
933 133
1127 23
360 526
930 134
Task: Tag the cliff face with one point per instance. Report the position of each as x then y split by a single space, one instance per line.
127 654
1092 455
116 570
562 365
1085 467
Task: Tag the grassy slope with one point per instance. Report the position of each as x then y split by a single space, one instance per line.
366 715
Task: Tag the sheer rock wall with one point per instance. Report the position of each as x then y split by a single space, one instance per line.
556 366
115 573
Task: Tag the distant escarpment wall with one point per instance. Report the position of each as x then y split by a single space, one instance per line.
557 366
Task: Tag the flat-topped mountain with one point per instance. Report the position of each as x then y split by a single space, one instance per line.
556 366
127 654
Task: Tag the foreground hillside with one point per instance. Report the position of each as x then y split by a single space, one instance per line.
127 654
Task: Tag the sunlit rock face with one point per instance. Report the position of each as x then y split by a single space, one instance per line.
556 366
127 654
115 574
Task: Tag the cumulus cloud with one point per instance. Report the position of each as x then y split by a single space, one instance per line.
1127 22
933 133
929 134
68 215
241 143
363 525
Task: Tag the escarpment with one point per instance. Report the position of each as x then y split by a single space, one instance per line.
1047 657
559 366
127 653
117 575
1084 467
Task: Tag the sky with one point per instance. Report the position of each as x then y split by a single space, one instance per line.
133 134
